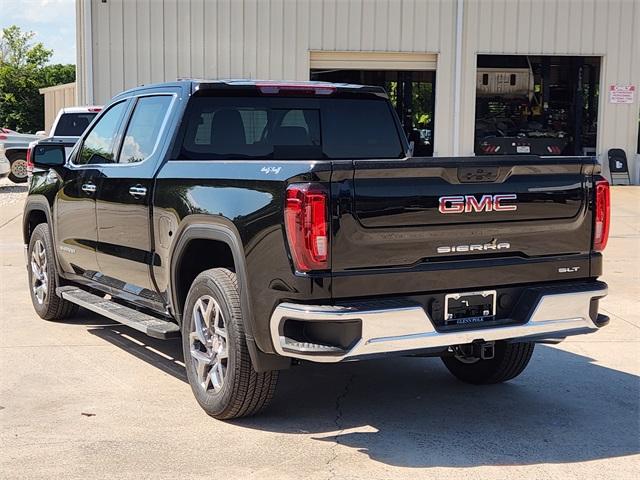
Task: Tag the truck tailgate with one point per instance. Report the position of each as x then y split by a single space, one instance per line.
463 222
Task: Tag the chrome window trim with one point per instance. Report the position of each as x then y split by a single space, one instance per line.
81 141
161 132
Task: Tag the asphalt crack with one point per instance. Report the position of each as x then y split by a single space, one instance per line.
10 220
338 423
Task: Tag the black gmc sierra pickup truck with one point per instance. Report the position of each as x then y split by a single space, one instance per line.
274 223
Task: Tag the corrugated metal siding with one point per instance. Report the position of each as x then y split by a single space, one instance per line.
55 98
143 41
146 41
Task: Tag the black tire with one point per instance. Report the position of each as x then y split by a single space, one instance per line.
18 161
509 360
243 391
50 306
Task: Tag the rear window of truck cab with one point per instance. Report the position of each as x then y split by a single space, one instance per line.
282 128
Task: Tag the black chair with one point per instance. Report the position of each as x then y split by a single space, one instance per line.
618 167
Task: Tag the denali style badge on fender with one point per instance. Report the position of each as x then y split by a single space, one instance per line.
469 203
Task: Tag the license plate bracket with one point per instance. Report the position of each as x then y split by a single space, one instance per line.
469 307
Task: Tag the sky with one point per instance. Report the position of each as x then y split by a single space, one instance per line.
53 22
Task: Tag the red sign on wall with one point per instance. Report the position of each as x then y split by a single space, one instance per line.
621 93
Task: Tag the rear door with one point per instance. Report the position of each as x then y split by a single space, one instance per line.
124 197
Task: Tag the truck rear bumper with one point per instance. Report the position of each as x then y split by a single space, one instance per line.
393 326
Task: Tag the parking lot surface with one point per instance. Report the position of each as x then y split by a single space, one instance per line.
88 398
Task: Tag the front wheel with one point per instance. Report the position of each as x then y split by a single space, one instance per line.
217 360
43 278
509 360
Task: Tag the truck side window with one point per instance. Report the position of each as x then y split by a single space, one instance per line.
144 128
100 143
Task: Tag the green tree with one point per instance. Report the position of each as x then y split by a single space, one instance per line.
23 71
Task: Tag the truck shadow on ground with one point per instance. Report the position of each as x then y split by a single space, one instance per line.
411 412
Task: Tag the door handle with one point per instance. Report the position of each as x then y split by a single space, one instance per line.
138 191
88 188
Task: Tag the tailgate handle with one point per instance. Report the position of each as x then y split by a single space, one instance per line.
477 174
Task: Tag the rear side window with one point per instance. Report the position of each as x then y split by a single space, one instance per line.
283 128
73 124
144 128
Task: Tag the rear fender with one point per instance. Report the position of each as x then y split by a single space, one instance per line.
204 227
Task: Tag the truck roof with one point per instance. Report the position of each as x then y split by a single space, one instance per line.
268 86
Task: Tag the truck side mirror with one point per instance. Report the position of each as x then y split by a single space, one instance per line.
46 156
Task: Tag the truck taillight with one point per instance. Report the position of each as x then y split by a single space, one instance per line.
307 225
602 214
30 161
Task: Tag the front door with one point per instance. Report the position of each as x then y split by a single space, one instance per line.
123 201
75 227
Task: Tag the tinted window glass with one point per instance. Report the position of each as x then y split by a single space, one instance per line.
289 128
98 146
73 124
360 129
144 128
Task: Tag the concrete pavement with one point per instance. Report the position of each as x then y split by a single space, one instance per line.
90 399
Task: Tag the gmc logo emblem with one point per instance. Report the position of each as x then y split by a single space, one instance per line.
469 203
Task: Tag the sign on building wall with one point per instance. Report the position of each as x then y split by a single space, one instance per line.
621 93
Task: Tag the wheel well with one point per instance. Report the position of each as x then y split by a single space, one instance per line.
35 218
200 255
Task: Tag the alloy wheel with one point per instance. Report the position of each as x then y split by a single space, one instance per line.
39 279
208 344
19 168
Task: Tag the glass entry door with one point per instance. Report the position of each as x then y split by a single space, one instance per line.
412 93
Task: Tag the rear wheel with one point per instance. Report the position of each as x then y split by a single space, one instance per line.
43 278
509 360
217 360
18 161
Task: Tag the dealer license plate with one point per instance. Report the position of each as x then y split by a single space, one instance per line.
471 307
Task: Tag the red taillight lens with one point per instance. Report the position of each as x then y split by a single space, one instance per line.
602 214
307 225
29 161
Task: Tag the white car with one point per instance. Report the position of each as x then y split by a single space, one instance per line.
5 166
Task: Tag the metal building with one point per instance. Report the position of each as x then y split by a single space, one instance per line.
566 71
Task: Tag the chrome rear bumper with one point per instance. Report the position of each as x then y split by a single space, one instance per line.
406 327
